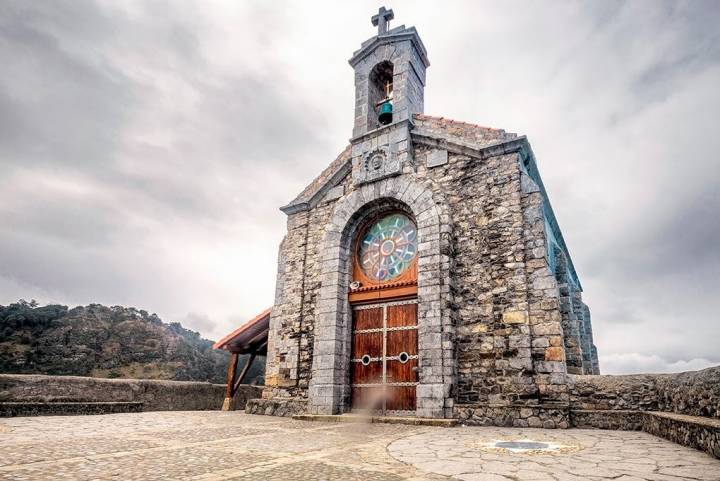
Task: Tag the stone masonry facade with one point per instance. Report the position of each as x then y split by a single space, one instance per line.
501 321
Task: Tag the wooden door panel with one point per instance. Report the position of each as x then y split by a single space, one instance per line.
370 374
400 398
367 397
402 315
374 384
399 372
402 341
368 318
370 343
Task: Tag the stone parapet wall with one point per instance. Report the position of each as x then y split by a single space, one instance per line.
154 395
633 392
618 420
691 431
12 409
695 393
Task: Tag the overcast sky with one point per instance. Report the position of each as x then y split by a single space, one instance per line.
145 148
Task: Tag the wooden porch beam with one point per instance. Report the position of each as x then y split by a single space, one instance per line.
244 372
229 391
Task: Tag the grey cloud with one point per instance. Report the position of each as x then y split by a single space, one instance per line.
59 107
145 148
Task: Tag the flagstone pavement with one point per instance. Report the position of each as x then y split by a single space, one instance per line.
236 446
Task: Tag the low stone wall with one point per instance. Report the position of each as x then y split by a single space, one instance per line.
619 420
153 394
546 416
12 409
695 393
693 431
683 407
276 407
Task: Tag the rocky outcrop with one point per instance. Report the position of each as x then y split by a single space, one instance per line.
106 342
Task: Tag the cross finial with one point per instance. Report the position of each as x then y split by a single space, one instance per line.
382 20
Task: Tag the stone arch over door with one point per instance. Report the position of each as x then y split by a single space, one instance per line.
330 383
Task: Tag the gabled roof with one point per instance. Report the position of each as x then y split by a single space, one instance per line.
460 133
251 336
460 137
394 35
457 131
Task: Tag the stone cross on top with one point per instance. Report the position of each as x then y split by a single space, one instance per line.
382 20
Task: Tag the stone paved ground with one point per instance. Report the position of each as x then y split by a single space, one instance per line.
213 445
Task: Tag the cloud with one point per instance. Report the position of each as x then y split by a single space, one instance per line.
634 363
145 148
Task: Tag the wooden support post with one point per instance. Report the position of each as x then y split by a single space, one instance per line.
229 388
244 372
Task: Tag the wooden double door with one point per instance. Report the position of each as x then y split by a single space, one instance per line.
384 367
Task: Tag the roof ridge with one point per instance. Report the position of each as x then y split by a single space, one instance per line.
453 121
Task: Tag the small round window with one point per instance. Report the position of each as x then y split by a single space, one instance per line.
365 360
403 357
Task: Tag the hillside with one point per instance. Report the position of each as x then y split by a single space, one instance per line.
101 341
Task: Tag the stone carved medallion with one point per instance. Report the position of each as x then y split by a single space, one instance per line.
377 164
374 161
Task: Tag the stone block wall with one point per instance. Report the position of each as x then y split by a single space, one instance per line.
154 395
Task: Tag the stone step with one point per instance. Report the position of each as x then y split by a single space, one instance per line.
11 409
358 418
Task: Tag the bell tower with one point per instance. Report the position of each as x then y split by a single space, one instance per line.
389 75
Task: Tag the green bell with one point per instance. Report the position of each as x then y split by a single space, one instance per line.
385 116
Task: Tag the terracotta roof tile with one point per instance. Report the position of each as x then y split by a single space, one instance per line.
236 335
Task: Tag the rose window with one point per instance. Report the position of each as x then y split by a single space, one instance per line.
388 247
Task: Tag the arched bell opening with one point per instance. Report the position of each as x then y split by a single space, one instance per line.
380 94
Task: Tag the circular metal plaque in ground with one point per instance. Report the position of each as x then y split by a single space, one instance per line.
524 445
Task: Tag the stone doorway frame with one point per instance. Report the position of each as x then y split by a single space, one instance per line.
330 383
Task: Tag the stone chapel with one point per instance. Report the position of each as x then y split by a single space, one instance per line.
423 272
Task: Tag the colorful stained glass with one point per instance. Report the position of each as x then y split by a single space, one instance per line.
388 247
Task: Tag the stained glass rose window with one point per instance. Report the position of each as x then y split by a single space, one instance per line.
388 247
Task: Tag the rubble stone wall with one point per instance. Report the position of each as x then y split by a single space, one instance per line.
155 395
500 341
694 393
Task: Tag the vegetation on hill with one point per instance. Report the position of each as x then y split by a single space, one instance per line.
101 341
